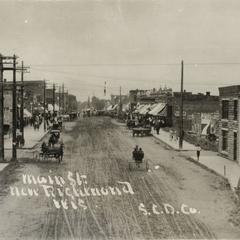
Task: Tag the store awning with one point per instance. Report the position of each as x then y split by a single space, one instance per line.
158 110
139 107
26 113
109 108
112 107
125 107
50 107
145 109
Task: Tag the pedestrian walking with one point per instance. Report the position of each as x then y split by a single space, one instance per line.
157 126
198 151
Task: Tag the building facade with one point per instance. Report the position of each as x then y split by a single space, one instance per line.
195 106
229 122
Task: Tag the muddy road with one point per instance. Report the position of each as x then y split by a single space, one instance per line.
95 196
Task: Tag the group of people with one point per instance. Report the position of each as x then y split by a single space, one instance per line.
138 154
147 121
36 121
53 139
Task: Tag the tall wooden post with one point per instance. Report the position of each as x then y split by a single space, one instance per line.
22 105
44 106
53 100
1 112
63 103
181 112
14 113
59 99
120 100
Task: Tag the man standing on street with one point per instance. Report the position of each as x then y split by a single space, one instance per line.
198 151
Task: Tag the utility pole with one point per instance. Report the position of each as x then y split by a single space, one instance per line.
88 102
120 100
44 105
67 102
63 103
53 101
59 98
1 112
14 113
22 106
181 112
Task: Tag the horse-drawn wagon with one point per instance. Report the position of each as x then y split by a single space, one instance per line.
141 131
138 162
50 152
54 149
54 137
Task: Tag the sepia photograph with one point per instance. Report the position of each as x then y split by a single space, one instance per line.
119 119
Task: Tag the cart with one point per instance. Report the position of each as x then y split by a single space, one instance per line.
54 152
141 131
138 165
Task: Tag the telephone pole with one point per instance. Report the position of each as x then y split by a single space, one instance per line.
14 113
1 112
120 100
22 69
181 112
22 106
44 105
59 98
67 102
53 101
8 60
63 104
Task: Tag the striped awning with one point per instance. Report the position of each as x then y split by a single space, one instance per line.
139 108
145 109
158 110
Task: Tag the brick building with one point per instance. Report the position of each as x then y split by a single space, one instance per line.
193 105
152 97
229 122
149 96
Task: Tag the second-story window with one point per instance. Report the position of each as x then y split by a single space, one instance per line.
225 107
235 109
224 140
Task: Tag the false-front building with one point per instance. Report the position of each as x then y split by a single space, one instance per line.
229 122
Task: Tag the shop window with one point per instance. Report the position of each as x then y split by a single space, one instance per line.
225 107
224 140
235 109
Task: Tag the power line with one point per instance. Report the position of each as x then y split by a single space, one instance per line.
78 76
134 64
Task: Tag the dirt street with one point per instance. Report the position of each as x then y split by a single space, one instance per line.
95 196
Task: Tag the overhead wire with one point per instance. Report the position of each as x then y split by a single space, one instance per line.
76 76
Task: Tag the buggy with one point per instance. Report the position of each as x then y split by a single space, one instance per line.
49 152
54 137
138 161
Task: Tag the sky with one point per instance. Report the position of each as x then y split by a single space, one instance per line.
128 43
